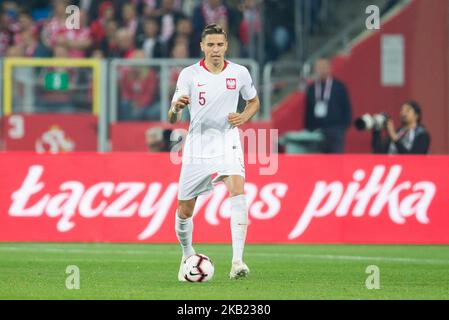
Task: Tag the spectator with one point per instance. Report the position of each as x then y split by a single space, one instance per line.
125 43
167 17
50 30
109 45
180 49
129 18
153 8
27 36
26 23
148 39
188 6
94 8
98 27
138 87
6 35
410 138
207 12
77 41
328 108
216 11
184 29
249 30
30 45
56 25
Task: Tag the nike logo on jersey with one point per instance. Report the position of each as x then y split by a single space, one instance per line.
201 85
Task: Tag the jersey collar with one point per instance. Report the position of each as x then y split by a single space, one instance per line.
203 64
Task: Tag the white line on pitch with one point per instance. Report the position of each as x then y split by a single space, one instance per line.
277 254
356 258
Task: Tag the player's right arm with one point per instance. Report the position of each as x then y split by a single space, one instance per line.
175 112
181 98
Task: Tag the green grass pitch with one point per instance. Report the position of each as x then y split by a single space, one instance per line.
291 272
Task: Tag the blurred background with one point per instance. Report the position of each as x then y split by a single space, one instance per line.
100 76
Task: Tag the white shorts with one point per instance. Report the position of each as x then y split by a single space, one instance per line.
196 174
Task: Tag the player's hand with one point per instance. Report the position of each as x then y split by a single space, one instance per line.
237 119
181 103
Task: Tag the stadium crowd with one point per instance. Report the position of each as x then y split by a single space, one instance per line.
136 29
117 28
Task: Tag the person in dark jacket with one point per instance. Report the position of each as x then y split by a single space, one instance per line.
410 138
328 108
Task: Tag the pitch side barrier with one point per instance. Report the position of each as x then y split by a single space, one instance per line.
67 101
60 102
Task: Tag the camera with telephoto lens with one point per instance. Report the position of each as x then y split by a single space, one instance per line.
372 121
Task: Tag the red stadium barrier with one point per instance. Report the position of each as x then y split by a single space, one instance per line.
49 132
131 197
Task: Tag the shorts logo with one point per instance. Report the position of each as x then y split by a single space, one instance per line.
231 83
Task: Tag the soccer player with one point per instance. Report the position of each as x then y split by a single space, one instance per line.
211 89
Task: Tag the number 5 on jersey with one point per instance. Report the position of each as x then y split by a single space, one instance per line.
202 99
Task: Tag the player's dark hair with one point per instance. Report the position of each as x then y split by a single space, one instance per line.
213 28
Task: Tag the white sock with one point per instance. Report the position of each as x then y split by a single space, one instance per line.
239 224
184 230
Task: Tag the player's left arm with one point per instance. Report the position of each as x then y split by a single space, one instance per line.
249 93
252 107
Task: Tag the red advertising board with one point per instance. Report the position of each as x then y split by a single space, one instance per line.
50 132
131 197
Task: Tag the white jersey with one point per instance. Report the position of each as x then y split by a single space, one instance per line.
212 98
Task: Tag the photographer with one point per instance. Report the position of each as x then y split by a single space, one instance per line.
158 139
410 138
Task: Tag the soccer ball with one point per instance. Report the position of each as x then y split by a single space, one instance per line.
198 268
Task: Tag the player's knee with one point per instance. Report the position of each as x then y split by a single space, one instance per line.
184 214
185 209
236 192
